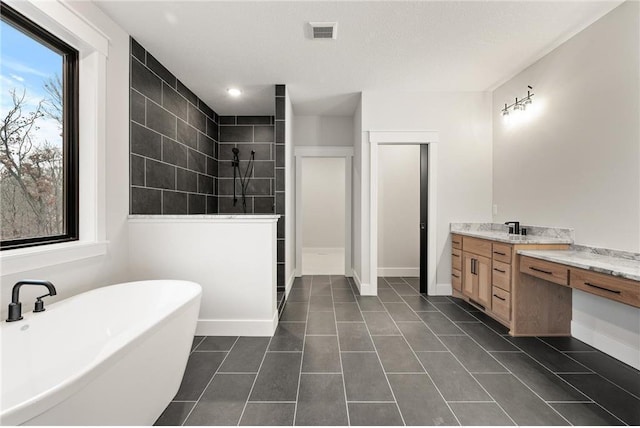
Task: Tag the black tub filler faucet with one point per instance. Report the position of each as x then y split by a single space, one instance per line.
15 307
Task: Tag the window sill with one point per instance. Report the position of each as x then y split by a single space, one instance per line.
27 259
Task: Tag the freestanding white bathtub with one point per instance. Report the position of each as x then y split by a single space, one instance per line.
111 356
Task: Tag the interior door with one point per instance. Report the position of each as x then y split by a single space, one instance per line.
424 218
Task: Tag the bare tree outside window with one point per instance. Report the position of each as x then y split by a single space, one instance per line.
32 134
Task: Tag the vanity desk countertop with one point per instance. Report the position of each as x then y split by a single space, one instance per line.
623 265
606 273
526 281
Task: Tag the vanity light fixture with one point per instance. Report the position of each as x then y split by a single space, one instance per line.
518 105
234 92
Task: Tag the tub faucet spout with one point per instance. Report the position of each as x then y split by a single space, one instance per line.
15 307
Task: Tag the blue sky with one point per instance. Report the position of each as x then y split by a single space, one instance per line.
27 64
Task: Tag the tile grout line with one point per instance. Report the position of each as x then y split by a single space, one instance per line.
210 380
421 365
465 367
508 370
382 366
587 367
544 366
344 385
563 380
549 403
304 340
196 346
256 378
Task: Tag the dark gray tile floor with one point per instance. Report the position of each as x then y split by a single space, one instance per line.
338 358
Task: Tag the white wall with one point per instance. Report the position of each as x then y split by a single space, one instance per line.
575 161
357 235
463 121
75 277
323 203
399 210
323 131
290 192
234 260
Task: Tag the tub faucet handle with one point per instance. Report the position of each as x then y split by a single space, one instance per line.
39 306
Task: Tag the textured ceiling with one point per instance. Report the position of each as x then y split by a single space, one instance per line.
381 45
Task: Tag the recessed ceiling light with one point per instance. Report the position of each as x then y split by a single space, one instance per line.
234 92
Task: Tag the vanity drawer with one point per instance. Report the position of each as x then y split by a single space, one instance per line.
456 242
502 252
546 270
477 246
611 287
456 259
501 275
456 279
501 303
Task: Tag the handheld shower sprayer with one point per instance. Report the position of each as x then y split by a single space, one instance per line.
244 178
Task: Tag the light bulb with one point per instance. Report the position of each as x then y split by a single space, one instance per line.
234 92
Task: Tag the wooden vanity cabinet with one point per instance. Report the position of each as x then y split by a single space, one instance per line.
476 275
487 277
476 279
456 263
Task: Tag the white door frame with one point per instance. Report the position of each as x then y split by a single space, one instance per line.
377 138
302 152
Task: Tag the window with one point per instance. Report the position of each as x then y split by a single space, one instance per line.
38 135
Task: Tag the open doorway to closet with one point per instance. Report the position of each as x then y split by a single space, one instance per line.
424 229
323 210
402 218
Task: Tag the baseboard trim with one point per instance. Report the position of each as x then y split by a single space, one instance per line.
364 288
208 327
399 271
356 278
323 272
443 289
287 287
606 344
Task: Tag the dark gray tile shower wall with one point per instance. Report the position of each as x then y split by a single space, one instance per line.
173 142
279 180
247 133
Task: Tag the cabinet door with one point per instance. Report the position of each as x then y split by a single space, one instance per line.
468 278
483 275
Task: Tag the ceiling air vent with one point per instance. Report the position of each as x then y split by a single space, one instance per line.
324 30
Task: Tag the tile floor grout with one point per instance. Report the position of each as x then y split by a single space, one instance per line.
304 339
508 370
526 385
462 365
344 385
306 287
382 366
210 380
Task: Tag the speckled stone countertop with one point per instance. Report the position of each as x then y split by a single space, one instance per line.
611 262
499 232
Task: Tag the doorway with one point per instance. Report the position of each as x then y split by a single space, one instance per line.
426 229
402 215
399 212
344 156
323 216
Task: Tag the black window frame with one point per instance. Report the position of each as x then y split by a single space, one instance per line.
70 129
